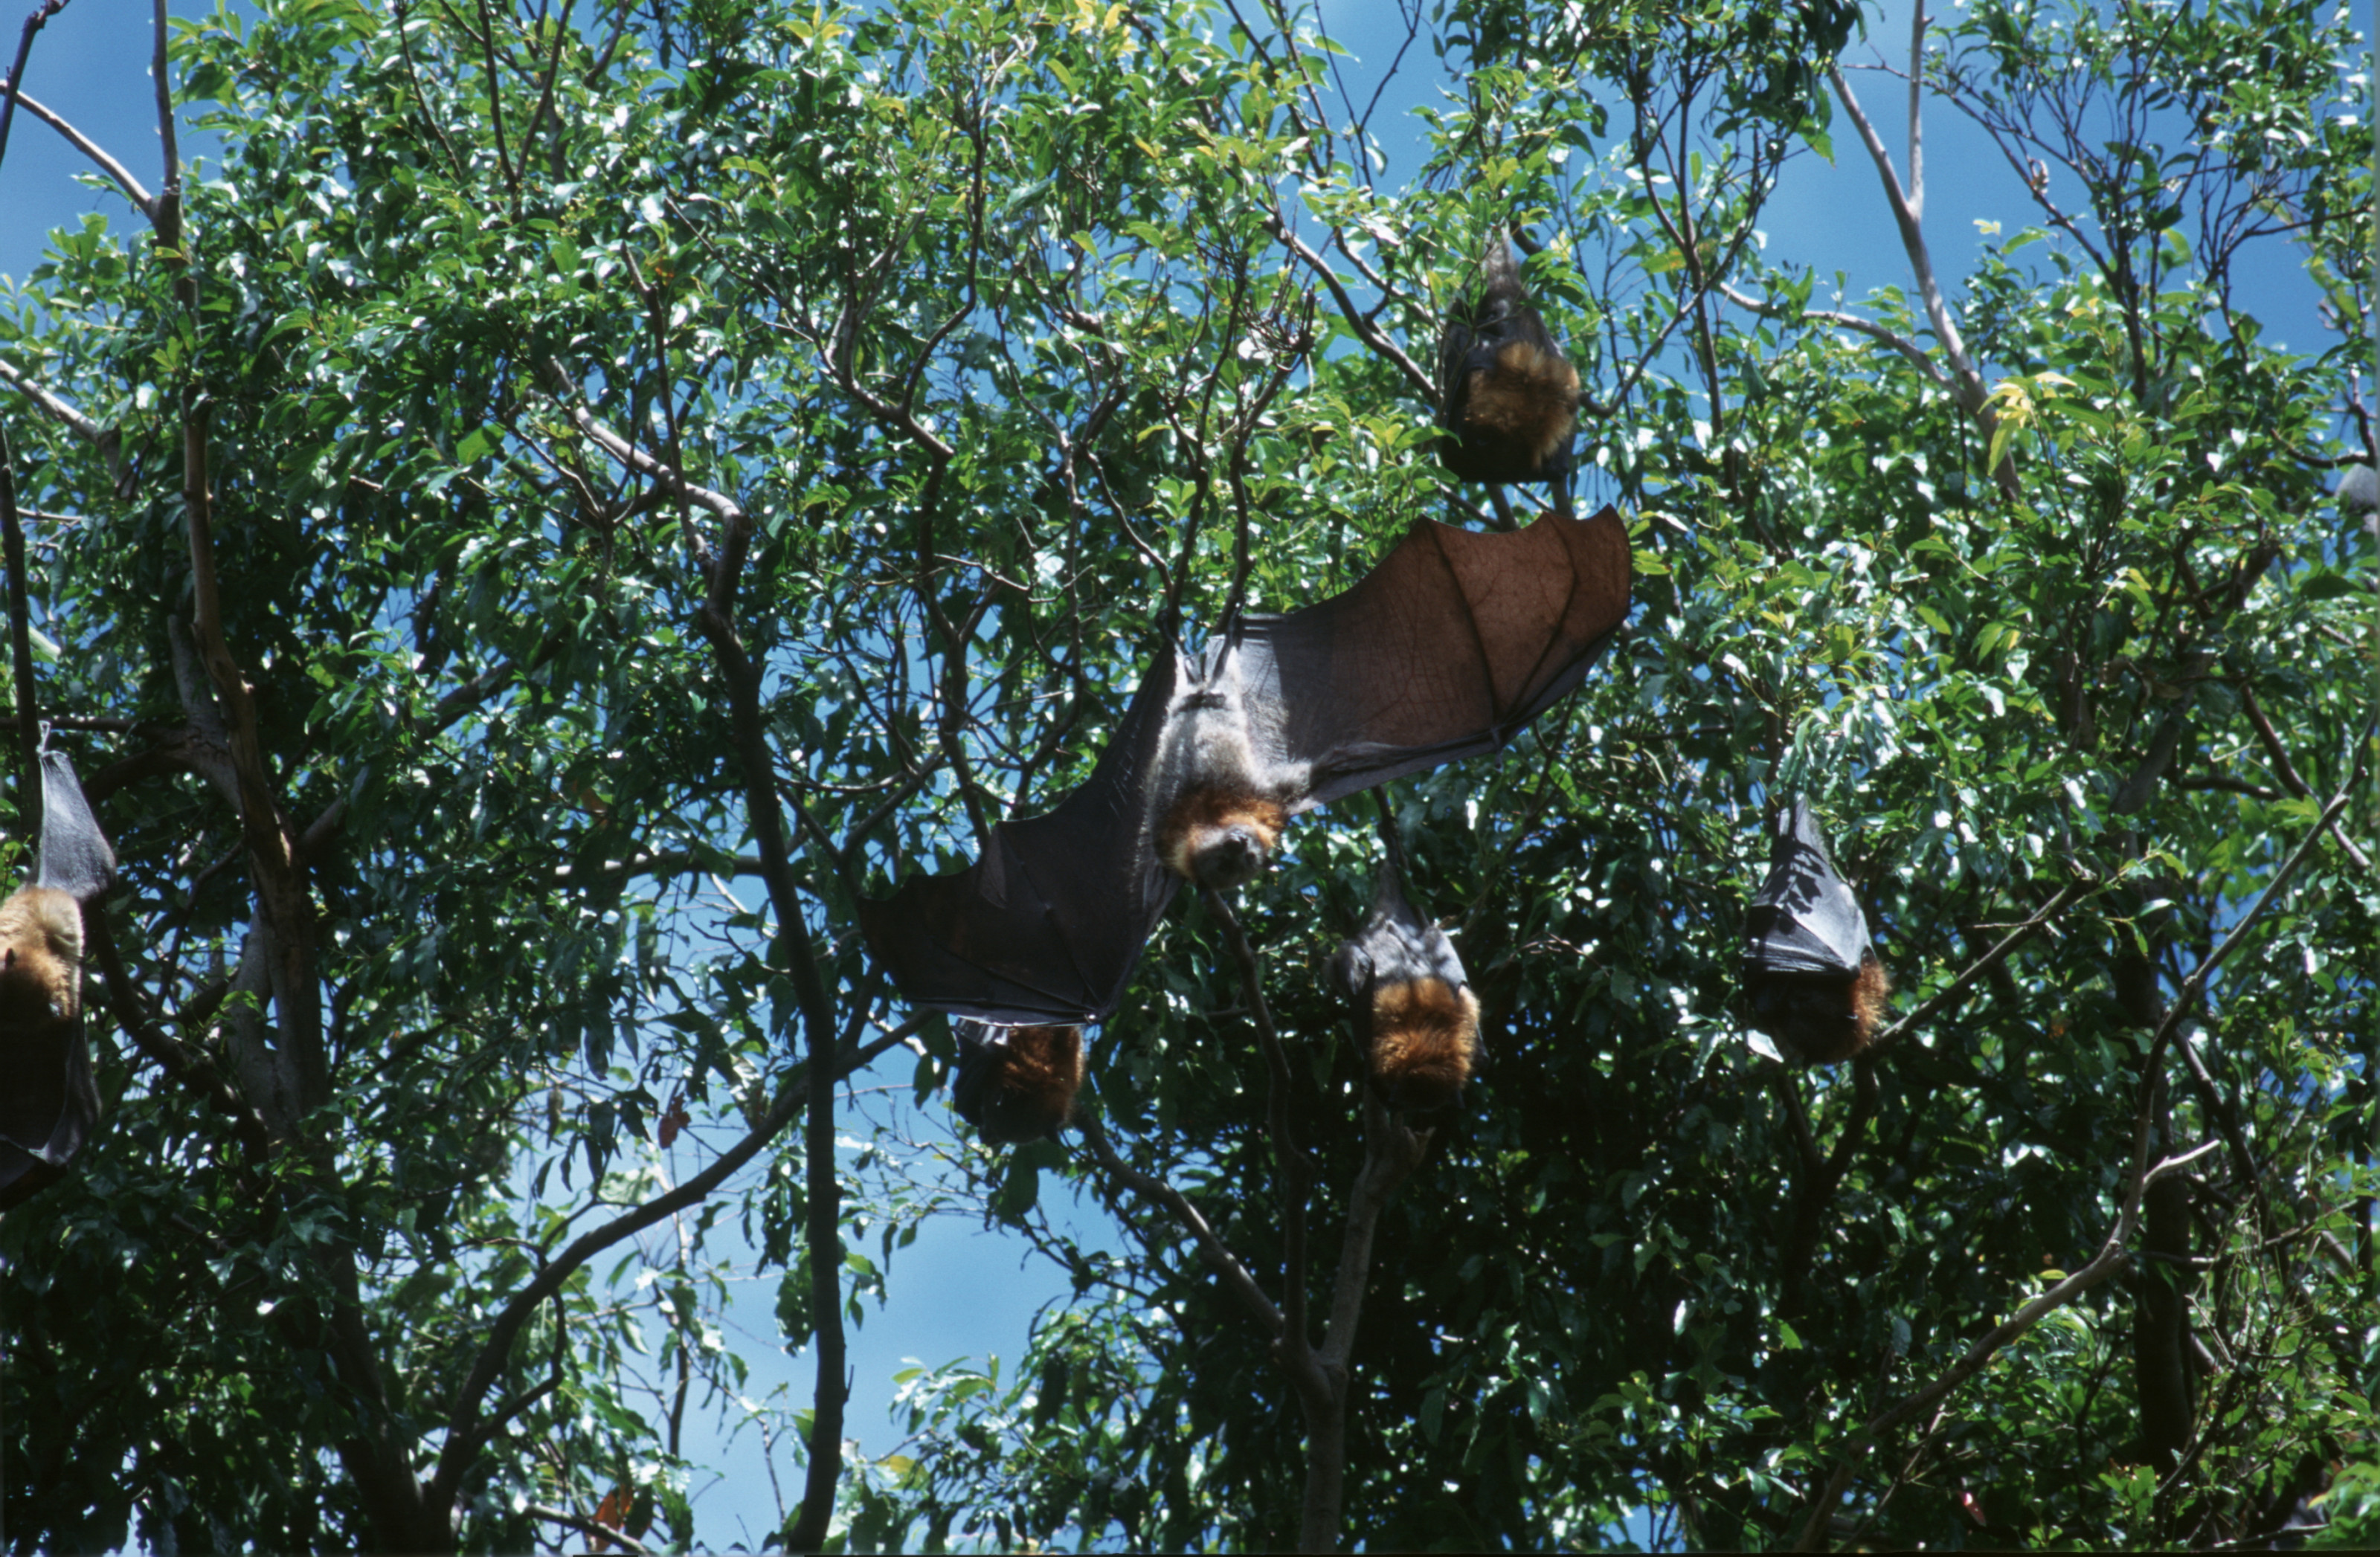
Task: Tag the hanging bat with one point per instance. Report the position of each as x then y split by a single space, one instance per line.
1506 395
1450 646
1415 1011
48 1100
1815 983
1016 1083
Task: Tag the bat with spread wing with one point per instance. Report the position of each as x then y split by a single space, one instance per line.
1415 1011
1506 395
48 1100
1811 972
1450 646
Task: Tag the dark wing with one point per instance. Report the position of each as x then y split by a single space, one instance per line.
1046 926
1397 944
43 1127
74 856
1450 646
1803 919
978 1067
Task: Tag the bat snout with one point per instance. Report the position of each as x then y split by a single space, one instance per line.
1229 858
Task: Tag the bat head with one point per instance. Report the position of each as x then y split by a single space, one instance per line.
1017 1083
1525 403
1424 1038
1221 838
41 956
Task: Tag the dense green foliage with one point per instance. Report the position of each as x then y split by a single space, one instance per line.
1005 331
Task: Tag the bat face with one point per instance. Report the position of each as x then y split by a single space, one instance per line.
1216 838
1810 972
41 956
1017 1083
48 1098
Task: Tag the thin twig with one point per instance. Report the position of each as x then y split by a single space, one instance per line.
1212 1248
1983 965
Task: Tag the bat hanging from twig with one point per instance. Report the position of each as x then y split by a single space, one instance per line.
48 1100
1449 647
1415 1011
1812 977
1016 1083
1507 396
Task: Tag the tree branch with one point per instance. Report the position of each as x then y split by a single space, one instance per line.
1983 965
1212 1248
1968 383
1917 354
114 170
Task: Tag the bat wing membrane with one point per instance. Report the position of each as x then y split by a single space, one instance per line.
1047 925
75 856
1450 646
1803 919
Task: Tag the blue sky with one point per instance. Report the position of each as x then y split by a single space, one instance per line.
961 1291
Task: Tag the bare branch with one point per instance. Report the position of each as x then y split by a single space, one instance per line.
2288 771
1917 354
466 1429
1366 330
83 426
1916 102
597 1532
114 170
1968 384
1983 965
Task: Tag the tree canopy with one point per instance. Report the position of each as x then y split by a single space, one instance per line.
579 497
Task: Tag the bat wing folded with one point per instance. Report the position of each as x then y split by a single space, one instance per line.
1810 971
1803 919
1414 1005
1450 646
1047 925
49 1102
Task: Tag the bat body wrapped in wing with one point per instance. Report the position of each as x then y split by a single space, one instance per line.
1415 1011
1449 647
1016 1083
48 1098
1507 396
1810 974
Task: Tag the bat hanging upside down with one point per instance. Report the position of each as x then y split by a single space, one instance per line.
1813 976
1017 1083
1507 396
1450 646
48 1098
1415 1011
